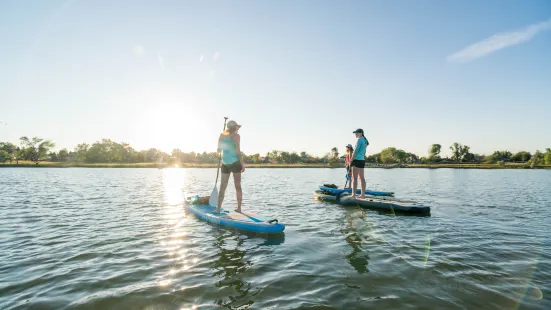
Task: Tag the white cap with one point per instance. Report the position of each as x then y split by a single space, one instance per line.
233 124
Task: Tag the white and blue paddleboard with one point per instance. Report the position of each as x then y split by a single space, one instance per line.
335 191
248 221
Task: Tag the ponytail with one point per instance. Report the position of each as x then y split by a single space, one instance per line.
366 141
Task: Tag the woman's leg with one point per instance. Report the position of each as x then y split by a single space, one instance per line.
362 180
223 185
354 181
238 191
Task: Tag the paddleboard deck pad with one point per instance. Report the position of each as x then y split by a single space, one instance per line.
249 221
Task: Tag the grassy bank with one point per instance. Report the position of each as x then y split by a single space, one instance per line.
46 164
477 166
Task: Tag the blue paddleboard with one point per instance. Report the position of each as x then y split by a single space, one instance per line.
335 191
250 221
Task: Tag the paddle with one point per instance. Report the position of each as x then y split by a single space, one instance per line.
258 220
347 177
213 199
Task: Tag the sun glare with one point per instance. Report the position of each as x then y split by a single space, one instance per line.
166 125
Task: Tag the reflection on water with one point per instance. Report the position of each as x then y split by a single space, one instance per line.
230 267
69 241
173 180
358 259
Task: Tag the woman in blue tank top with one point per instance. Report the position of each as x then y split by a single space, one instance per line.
358 162
232 162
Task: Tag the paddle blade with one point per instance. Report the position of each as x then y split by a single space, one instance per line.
213 200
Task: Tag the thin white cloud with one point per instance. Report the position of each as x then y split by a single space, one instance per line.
161 60
201 58
498 41
215 56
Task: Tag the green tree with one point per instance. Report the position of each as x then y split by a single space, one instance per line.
256 159
335 152
411 158
457 152
36 149
63 155
499 156
375 158
10 148
461 152
4 156
388 155
434 152
294 158
537 159
547 156
521 156
81 152
466 155
274 156
469 157
400 156
53 156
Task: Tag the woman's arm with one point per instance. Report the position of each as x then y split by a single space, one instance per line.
355 150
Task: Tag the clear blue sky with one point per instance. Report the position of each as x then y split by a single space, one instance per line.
298 75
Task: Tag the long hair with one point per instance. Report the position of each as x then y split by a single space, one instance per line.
349 149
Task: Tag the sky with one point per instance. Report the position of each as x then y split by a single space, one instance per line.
297 75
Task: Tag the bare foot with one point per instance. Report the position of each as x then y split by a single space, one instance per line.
237 210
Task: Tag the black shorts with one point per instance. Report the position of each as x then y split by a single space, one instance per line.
235 168
358 163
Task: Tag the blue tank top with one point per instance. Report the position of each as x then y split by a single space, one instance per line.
361 147
229 154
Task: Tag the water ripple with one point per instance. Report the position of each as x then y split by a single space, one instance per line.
120 239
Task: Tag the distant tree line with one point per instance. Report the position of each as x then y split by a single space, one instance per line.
108 151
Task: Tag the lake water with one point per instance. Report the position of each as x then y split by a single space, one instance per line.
85 238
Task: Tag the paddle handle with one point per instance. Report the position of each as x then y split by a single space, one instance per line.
220 156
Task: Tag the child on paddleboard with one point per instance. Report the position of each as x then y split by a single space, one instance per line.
348 160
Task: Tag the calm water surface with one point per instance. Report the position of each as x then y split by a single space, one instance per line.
119 239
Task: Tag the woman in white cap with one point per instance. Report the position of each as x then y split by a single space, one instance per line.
229 143
358 162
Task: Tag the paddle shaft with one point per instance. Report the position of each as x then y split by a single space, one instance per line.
220 157
347 175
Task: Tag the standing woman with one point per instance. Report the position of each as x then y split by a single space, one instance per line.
229 143
358 162
348 160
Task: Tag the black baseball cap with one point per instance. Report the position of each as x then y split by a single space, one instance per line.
359 130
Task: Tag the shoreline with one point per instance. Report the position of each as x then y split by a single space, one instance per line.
267 166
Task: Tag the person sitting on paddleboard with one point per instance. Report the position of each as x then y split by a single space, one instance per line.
229 143
358 162
348 159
